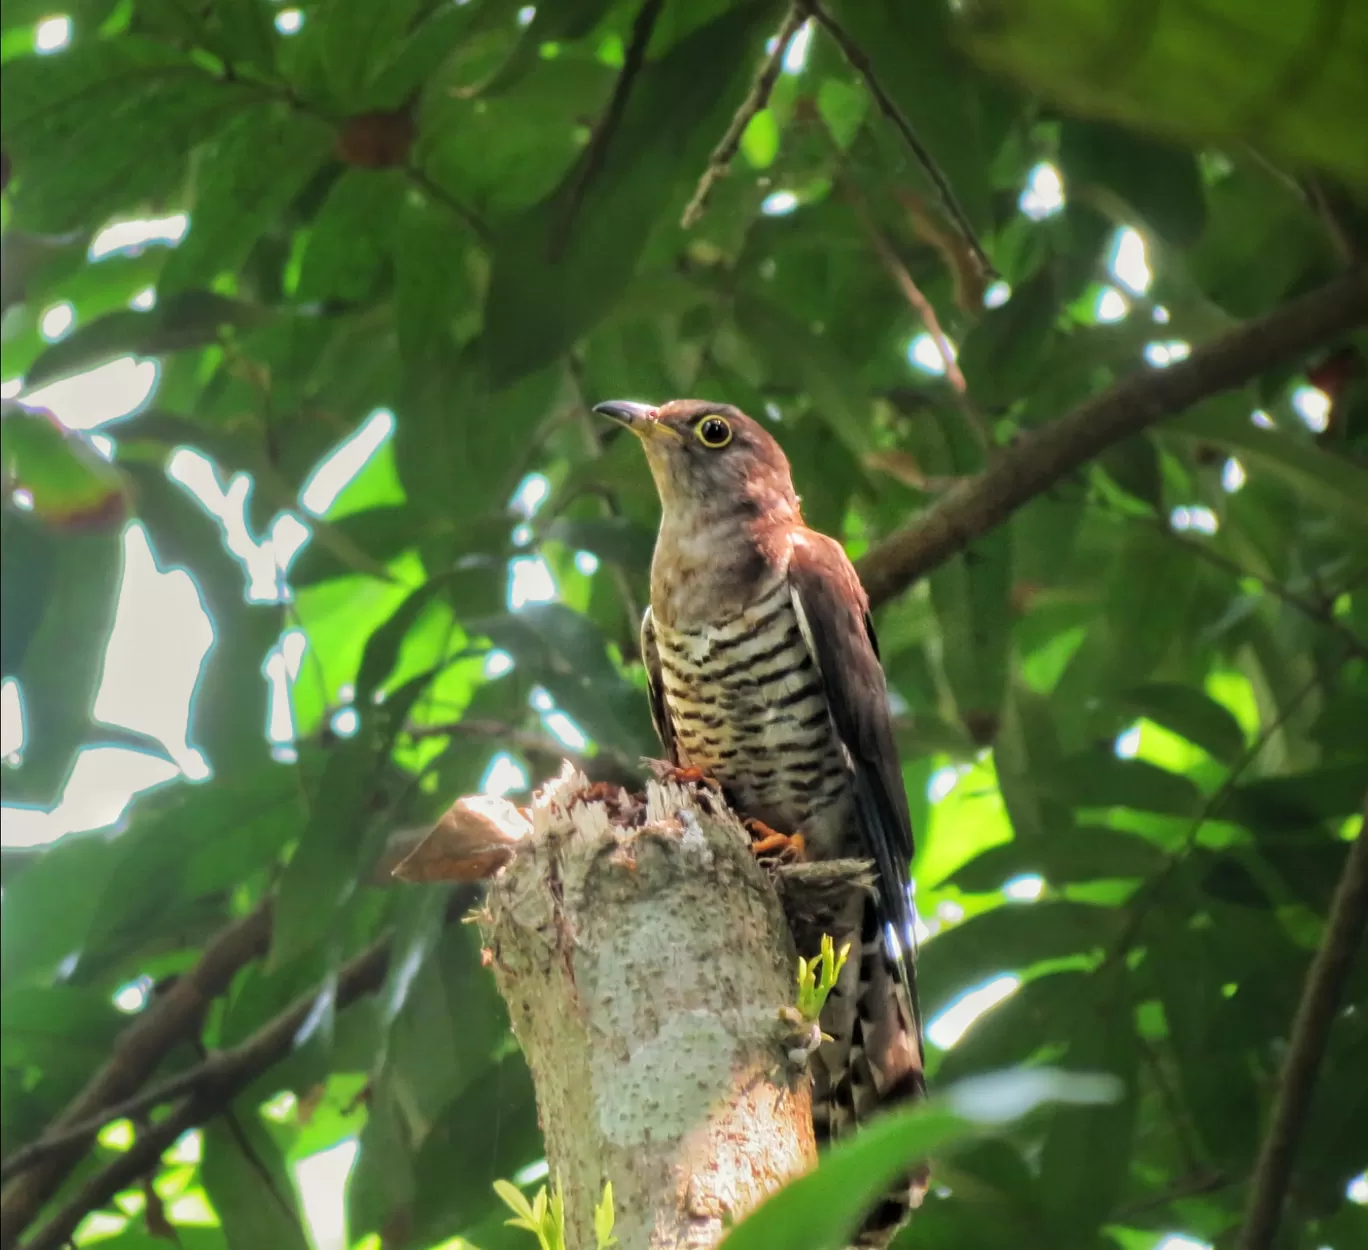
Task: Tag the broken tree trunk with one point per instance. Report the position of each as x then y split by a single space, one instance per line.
646 961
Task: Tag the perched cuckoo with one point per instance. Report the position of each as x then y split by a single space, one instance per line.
764 676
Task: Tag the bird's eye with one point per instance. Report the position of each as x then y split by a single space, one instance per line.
714 432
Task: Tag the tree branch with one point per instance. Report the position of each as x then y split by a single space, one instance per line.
720 160
212 1086
1040 458
137 1053
862 65
1325 982
121 1174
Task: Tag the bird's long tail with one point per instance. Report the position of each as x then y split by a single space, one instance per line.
874 1061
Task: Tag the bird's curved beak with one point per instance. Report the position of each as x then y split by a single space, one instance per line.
639 418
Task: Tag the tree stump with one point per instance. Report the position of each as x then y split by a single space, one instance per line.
646 962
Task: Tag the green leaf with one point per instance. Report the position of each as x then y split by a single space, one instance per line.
1252 211
57 1027
1097 778
352 236
1062 857
228 711
1010 938
382 647
1219 77
604 1219
1003 354
808 361
618 539
820 1211
1037 1019
61 662
457 447
72 486
247 32
68 878
970 595
434 291
1133 464
1323 478
381 534
357 38
843 108
1149 592
245 1178
1191 713
104 125
553 278
563 652
245 185
551 23
1298 801
516 1201
456 1169
1085 1162
760 140
186 320
321 878
1208 1038
1157 181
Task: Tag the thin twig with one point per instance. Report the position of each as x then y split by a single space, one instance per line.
720 160
1040 458
597 151
862 65
1189 1187
137 1053
923 307
1184 1132
436 191
1325 982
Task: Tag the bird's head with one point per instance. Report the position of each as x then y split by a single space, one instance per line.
709 458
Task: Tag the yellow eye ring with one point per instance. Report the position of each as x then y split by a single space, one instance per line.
714 432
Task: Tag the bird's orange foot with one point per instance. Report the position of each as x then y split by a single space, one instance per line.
690 776
766 842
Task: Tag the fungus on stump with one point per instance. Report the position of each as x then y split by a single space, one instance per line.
645 960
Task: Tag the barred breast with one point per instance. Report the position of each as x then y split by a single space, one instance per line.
748 709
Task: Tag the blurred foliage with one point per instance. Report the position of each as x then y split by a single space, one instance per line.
1143 698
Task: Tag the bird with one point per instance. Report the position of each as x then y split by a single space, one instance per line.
764 676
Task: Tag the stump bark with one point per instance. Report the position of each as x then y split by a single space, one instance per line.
645 960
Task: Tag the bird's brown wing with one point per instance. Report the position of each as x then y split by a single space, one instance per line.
833 614
660 713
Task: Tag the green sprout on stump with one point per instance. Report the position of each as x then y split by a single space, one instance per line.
817 977
544 1216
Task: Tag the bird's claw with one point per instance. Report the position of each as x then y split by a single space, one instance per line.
765 842
685 775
